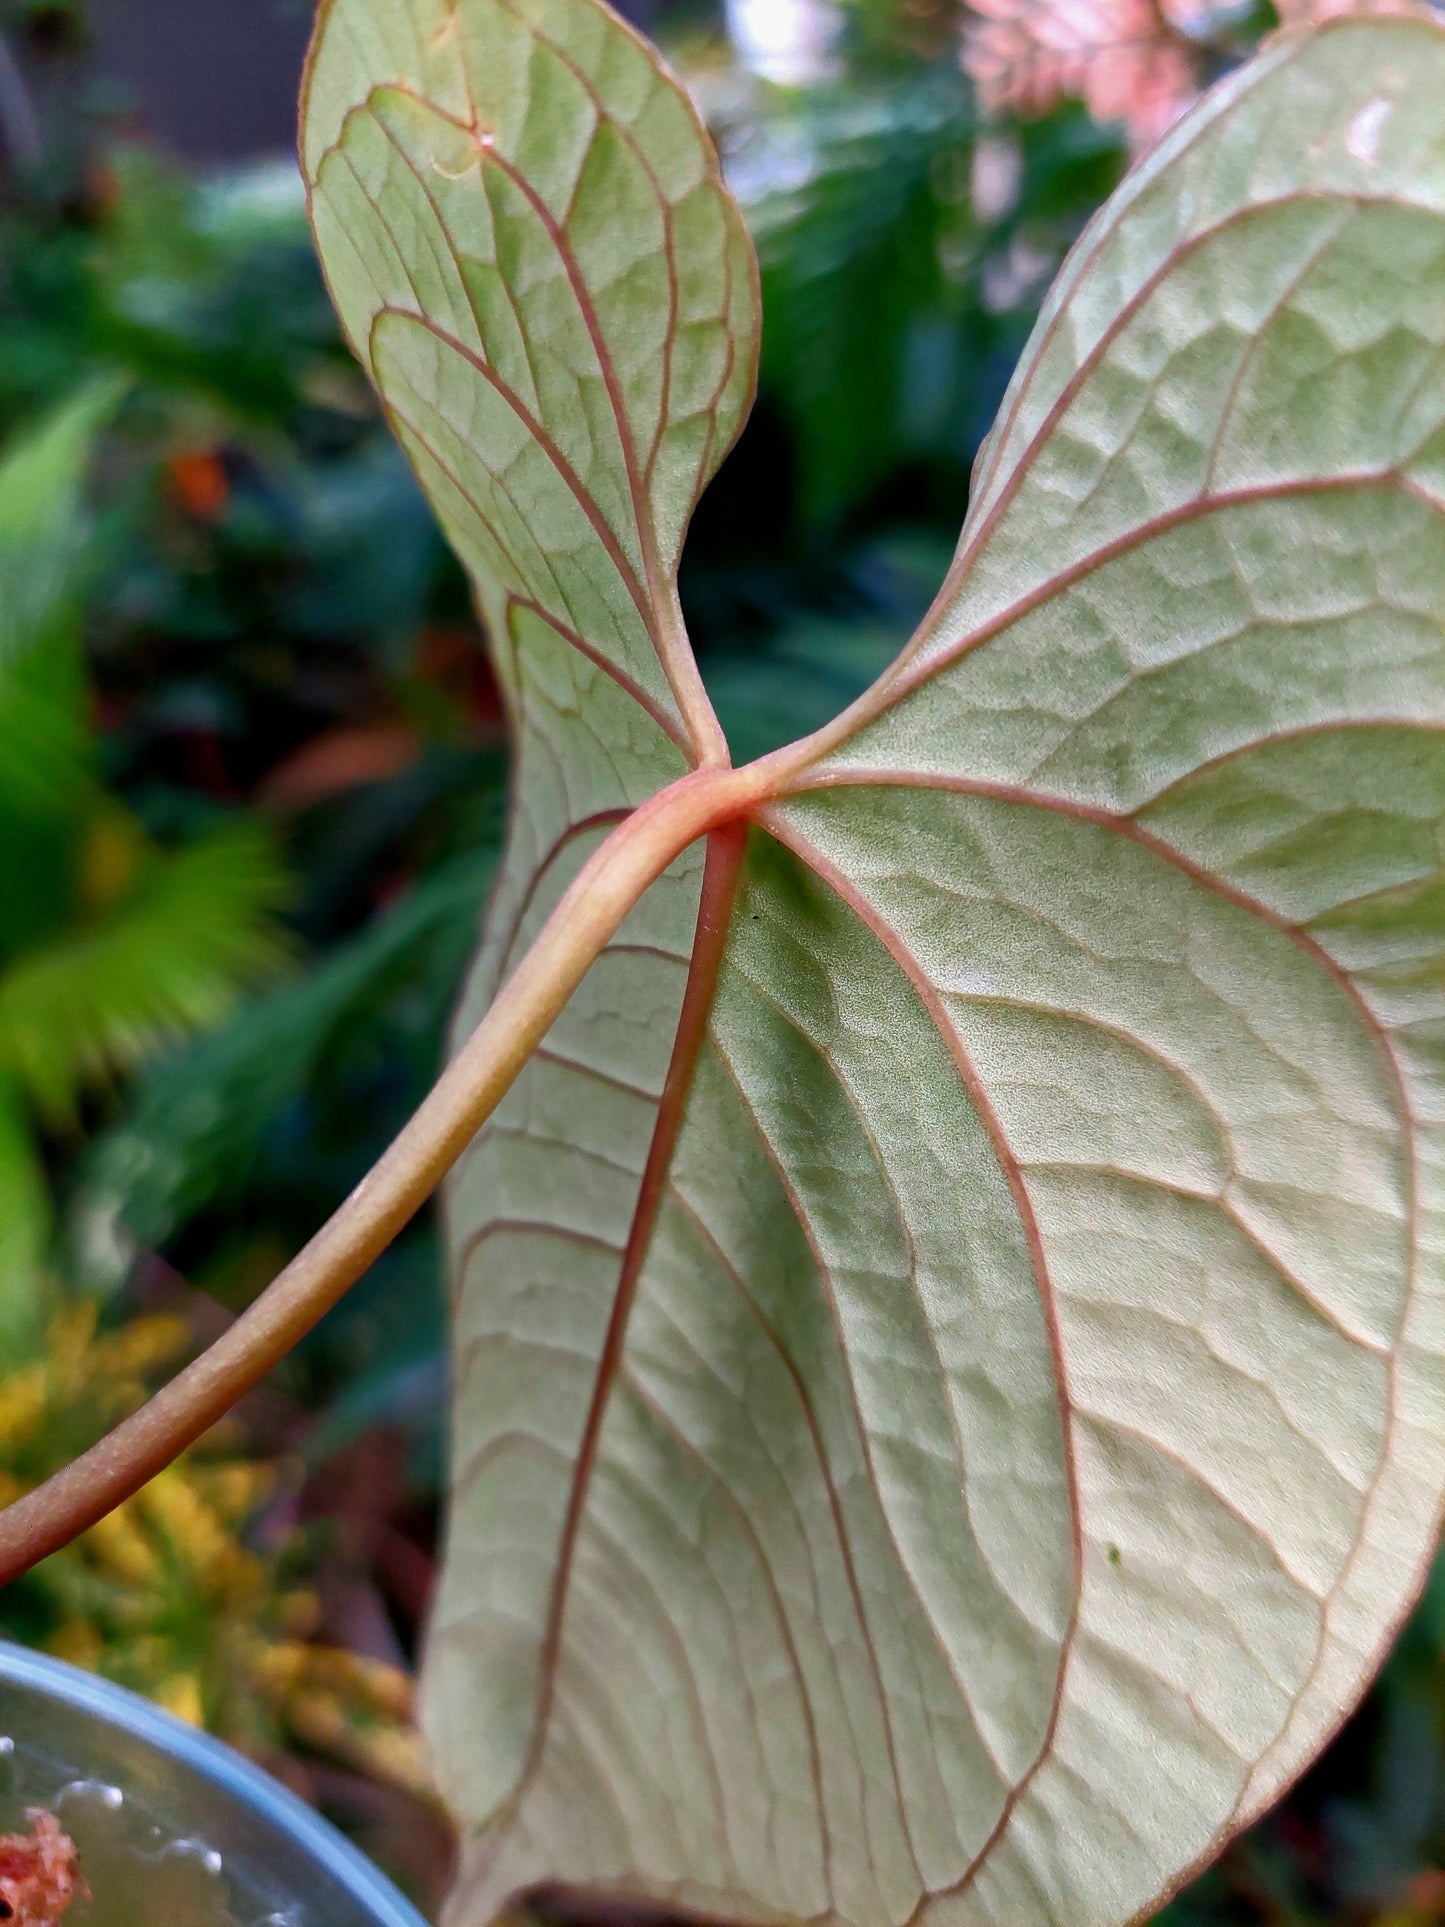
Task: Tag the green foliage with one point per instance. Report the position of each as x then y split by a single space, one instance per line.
46 752
948 1377
41 484
893 312
198 1127
856 276
161 954
208 295
111 946
254 577
25 1209
265 610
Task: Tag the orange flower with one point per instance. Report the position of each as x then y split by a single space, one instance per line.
199 485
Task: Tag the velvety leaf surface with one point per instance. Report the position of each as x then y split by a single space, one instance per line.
949 1381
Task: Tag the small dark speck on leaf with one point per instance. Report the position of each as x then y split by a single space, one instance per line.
1116 1558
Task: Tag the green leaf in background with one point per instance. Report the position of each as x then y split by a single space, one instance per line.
45 779
177 940
46 776
109 946
855 212
903 249
25 1220
42 479
195 1129
949 1395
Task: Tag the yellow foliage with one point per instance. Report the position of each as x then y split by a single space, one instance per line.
24 1396
115 847
171 1595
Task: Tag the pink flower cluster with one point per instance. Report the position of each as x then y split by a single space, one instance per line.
1139 63
1123 58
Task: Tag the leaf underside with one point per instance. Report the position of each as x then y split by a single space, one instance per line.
948 1330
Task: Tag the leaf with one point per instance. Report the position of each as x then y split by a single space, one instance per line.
502 222
949 1394
855 203
168 956
42 476
45 745
197 1125
25 1224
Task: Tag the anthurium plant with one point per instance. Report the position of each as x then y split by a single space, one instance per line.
946 1219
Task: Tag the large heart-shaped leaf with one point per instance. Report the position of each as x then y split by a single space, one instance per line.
949 1393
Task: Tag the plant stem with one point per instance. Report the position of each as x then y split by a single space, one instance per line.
468 1091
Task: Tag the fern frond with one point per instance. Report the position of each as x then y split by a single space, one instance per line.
42 480
198 1120
169 956
46 750
855 199
25 1223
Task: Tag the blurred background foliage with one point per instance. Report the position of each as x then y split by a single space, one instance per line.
252 777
